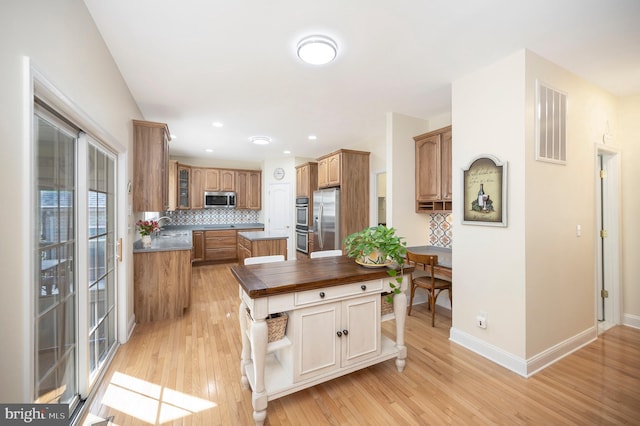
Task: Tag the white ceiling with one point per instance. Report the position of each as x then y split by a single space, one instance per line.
191 62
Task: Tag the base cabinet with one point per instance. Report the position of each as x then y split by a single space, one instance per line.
335 335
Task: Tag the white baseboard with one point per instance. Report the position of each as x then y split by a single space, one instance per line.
525 368
489 351
631 320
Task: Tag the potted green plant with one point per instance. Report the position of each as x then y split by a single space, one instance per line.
378 246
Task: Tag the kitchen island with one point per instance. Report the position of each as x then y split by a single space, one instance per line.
333 308
260 243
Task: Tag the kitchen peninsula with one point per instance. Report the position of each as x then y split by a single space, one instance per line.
333 307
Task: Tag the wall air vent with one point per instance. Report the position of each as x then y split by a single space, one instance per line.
551 124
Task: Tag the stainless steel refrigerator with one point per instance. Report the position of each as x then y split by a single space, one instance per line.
326 219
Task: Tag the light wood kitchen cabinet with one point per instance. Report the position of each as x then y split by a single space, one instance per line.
220 245
358 330
306 180
197 253
196 188
248 247
173 185
219 180
184 186
248 189
150 166
433 171
162 284
351 170
329 170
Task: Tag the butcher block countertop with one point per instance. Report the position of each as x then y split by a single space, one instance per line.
268 279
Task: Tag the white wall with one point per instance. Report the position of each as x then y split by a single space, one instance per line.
489 262
63 43
401 180
560 265
535 278
628 135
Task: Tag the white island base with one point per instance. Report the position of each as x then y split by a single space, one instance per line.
331 332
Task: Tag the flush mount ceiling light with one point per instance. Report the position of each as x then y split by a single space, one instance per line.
260 140
317 50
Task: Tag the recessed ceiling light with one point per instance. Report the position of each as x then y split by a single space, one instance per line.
286 151
317 50
312 137
173 137
260 140
208 150
217 124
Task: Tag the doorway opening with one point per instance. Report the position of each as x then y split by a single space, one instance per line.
607 239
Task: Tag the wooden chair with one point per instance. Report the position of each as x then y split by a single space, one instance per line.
424 276
263 259
325 253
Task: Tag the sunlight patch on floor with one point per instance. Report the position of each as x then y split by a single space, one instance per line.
149 402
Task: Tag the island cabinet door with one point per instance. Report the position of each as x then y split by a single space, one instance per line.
317 346
336 335
361 332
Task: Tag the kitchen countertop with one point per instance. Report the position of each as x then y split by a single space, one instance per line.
179 237
262 235
166 241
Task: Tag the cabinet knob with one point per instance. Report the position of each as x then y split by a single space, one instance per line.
339 333
322 294
363 287
345 332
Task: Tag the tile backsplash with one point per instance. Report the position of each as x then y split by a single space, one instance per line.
213 216
440 230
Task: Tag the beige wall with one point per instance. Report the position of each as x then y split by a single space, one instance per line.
536 277
63 43
628 134
489 262
561 266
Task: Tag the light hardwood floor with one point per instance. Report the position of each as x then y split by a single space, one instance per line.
187 372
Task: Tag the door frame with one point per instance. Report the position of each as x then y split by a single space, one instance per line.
36 84
611 222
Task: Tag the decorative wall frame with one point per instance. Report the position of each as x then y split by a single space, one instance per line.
484 188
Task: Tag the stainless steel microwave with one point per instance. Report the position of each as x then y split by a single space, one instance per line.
219 200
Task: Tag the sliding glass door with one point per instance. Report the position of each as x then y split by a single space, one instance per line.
75 298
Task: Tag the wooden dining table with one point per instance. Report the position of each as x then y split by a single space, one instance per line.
443 268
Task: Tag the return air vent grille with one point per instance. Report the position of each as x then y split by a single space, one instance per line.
551 125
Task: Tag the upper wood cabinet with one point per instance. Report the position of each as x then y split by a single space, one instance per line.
196 187
433 171
306 180
184 187
173 185
150 166
348 170
219 180
248 185
329 170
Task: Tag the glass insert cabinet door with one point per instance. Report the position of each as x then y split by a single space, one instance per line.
75 283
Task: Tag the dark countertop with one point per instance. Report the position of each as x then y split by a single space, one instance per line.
178 237
262 235
268 279
166 241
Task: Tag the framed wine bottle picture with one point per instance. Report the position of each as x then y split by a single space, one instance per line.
484 185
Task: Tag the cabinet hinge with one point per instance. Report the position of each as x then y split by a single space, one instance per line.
603 174
603 233
604 294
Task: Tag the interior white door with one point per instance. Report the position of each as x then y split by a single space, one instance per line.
280 212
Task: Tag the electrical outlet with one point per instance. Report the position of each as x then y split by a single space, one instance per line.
481 321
